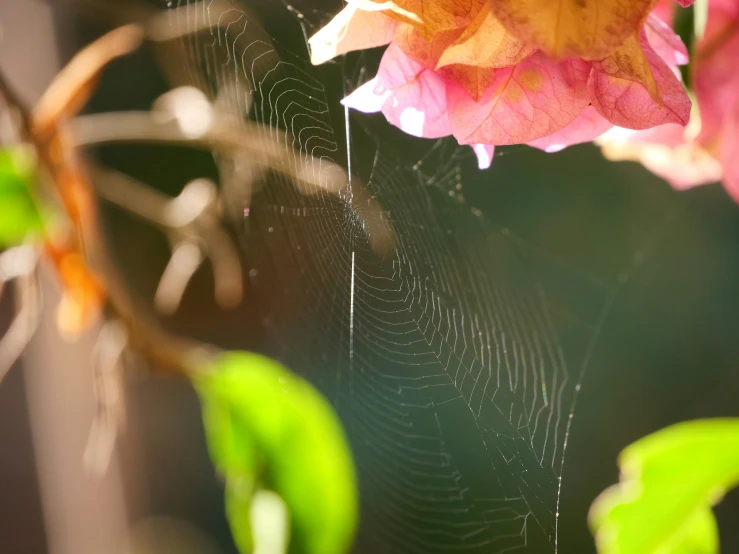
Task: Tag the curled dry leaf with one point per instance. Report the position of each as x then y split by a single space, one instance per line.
352 29
72 88
482 48
640 93
422 51
428 16
589 29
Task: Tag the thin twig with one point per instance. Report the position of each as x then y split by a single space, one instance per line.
71 88
186 259
159 25
19 265
232 141
108 356
105 128
189 218
24 325
229 136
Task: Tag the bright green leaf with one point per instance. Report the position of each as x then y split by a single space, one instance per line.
19 216
697 535
669 481
269 429
239 495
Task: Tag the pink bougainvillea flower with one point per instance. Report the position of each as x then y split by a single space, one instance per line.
708 149
490 74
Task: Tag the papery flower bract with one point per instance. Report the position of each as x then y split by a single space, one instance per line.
635 88
586 127
490 73
352 29
669 151
665 10
589 29
665 42
708 149
410 96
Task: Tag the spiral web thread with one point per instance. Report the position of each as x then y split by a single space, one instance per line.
438 335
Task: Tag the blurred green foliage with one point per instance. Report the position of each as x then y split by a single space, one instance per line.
669 481
269 429
19 215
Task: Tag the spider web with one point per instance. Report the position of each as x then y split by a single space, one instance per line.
452 348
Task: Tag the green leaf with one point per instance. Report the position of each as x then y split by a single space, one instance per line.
19 215
269 429
669 481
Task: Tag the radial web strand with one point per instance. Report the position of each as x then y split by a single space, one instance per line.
450 346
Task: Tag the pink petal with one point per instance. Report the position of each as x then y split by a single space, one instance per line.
532 99
716 83
396 69
729 7
664 10
716 79
365 99
685 3
411 97
586 127
627 103
665 42
730 154
419 107
484 153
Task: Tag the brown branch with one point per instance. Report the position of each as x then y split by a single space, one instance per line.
106 128
232 138
189 219
159 25
58 157
57 137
